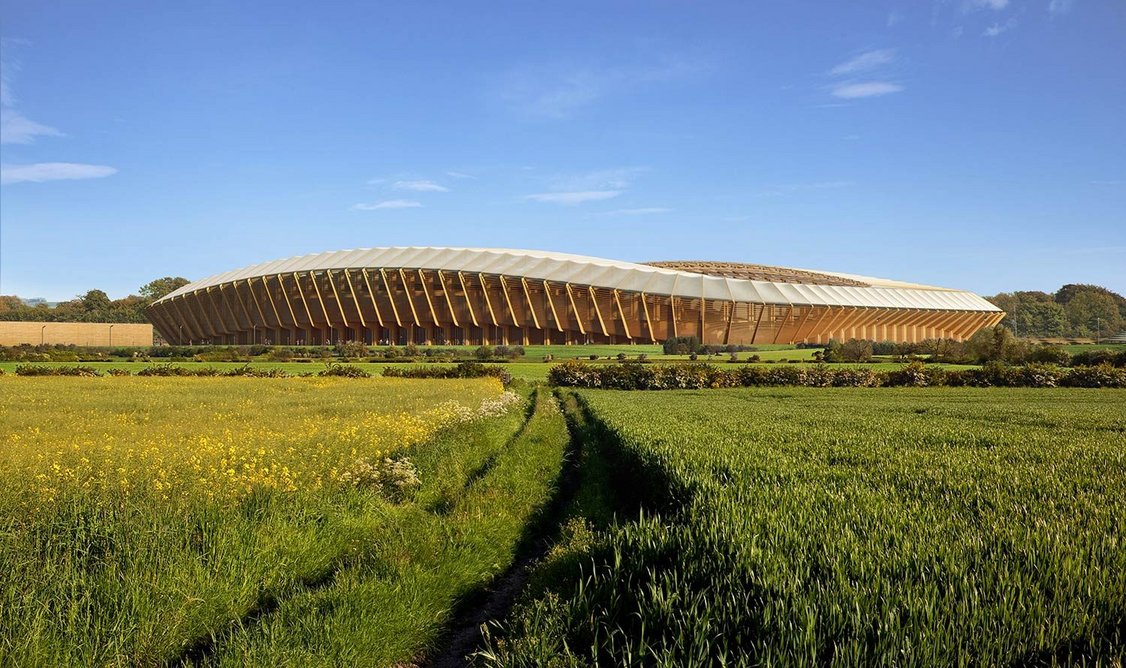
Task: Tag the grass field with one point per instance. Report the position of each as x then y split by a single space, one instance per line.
257 521
827 527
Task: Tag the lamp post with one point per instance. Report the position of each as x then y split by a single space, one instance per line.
111 336
1098 328
179 335
43 335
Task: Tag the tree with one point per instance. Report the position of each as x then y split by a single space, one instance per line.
154 290
95 301
1089 312
997 343
1039 318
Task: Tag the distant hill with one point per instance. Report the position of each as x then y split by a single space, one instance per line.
1073 311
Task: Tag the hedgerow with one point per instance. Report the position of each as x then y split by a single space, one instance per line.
635 376
463 370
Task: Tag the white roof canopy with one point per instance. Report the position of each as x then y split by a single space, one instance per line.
612 274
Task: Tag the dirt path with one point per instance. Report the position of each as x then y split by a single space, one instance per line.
464 636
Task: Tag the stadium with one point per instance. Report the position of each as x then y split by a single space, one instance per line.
499 296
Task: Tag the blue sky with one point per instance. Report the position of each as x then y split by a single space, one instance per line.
977 144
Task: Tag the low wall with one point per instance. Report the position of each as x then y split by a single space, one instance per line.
75 333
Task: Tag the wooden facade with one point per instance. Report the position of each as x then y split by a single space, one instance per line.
400 305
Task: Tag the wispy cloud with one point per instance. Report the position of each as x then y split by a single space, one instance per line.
995 5
864 62
15 128
52 171
998 28
643 211
557 92
618 178
850 91
460 175
592 186
420 185
387 204
1060 6
574 197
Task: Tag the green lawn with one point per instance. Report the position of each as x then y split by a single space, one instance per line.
1075 348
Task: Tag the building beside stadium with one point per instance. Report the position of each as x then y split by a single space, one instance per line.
499 296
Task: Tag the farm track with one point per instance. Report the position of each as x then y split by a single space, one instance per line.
495 601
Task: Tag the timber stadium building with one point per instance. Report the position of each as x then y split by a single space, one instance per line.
497 296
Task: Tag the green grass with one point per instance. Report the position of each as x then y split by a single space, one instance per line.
150 520
1075 348
840 527
392 600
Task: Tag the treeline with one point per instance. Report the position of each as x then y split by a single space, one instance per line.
687 376
996 344
1073 311
94 306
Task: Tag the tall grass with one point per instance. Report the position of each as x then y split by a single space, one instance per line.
390 603
827 527
149 520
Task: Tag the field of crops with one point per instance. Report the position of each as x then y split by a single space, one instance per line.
840 527
246 521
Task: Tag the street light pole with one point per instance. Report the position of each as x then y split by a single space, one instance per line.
1098 328
111 336
43 335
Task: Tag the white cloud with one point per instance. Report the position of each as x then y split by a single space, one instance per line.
618 178
15 128
851 91
1060 6
52 171
460 175
644 211
387 204
556 92
998 28
866 61
420 185
574 197
995 5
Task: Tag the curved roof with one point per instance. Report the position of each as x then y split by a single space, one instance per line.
613 274
757 272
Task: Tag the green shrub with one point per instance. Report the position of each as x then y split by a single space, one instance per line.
463 370
39 370
1103 375
343 371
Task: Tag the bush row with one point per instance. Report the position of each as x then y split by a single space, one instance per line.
633 376
183 371
463 370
